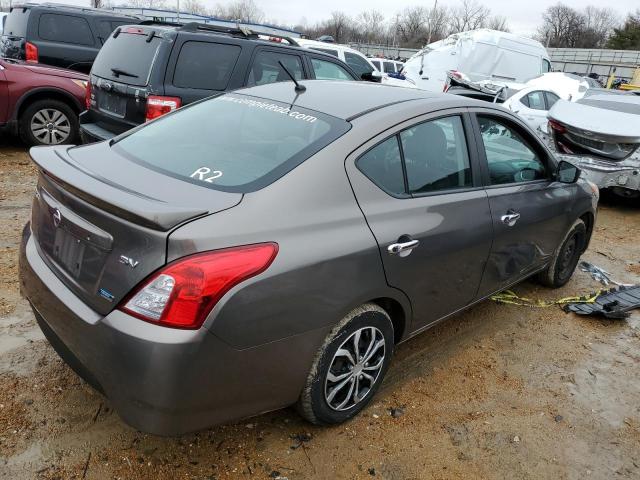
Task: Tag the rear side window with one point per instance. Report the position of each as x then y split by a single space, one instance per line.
436 156
552 98
534 100
65 29
16 22
383 166
204 65
129 53
389 67
266 68
358 63
106 27
233 142
329 71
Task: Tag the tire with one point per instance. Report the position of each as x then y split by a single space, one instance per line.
566 257
320 403
48 122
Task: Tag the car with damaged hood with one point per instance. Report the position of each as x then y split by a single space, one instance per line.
272 246
482 55
601 134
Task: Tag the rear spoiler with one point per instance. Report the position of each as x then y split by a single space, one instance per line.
56 164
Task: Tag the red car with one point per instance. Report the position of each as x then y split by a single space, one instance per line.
40 103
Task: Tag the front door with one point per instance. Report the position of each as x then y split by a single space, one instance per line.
529 209
420 192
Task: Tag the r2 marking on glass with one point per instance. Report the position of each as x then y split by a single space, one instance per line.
202 172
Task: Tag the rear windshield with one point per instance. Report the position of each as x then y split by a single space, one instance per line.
233 142
16 23
128 58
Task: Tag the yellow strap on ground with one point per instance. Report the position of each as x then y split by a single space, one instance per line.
511 298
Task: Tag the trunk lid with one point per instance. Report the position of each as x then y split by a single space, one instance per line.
101 221
121 75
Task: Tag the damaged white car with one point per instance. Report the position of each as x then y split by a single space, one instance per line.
600 133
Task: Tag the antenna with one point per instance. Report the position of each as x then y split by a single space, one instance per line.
299 88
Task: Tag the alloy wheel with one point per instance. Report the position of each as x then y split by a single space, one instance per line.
355 368
50 126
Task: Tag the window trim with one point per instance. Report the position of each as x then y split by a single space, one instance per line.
545 155
469 136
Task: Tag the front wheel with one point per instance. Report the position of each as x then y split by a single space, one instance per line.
566 257
48 122
349 367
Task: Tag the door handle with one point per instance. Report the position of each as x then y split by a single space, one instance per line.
403 247
510 218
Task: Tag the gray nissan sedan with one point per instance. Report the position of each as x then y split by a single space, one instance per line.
271 247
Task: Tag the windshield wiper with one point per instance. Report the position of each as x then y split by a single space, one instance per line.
117 72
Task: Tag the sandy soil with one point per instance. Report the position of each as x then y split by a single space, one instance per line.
497 392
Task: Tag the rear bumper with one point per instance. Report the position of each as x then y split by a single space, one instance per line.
161 380
91 131
606 174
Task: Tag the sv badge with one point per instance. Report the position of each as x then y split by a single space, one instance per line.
128 261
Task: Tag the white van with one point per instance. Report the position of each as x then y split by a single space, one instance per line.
479 54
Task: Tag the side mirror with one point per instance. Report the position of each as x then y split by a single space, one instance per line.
567 172
374 76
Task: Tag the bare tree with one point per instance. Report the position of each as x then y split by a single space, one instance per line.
564 26
437 21
410 25
371 25
599 25
469 15
242 10
337 26
498 22
193 6
147 3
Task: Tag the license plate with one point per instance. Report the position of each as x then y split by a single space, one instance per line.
113 104
68 252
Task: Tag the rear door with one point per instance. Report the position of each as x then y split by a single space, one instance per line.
12 42
63 40
531 105
530 210
419 188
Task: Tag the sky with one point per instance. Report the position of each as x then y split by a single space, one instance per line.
523 15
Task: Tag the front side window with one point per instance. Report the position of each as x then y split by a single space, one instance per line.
358 63
233 142
546 65
65 28
205 65
383 166
266 68
329 71
436 156
510 157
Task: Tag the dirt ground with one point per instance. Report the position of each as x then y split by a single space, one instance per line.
497 392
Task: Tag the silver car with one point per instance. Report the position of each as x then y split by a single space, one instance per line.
272 246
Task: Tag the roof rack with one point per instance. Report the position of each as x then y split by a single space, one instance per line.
74 7
242 30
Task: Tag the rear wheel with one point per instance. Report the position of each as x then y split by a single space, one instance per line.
566 258
349 367
48 122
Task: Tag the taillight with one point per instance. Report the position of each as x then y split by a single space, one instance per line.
87 95
31 52
557 126
182 294
158 105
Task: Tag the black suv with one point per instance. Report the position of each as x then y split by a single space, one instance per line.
59 35
146 70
